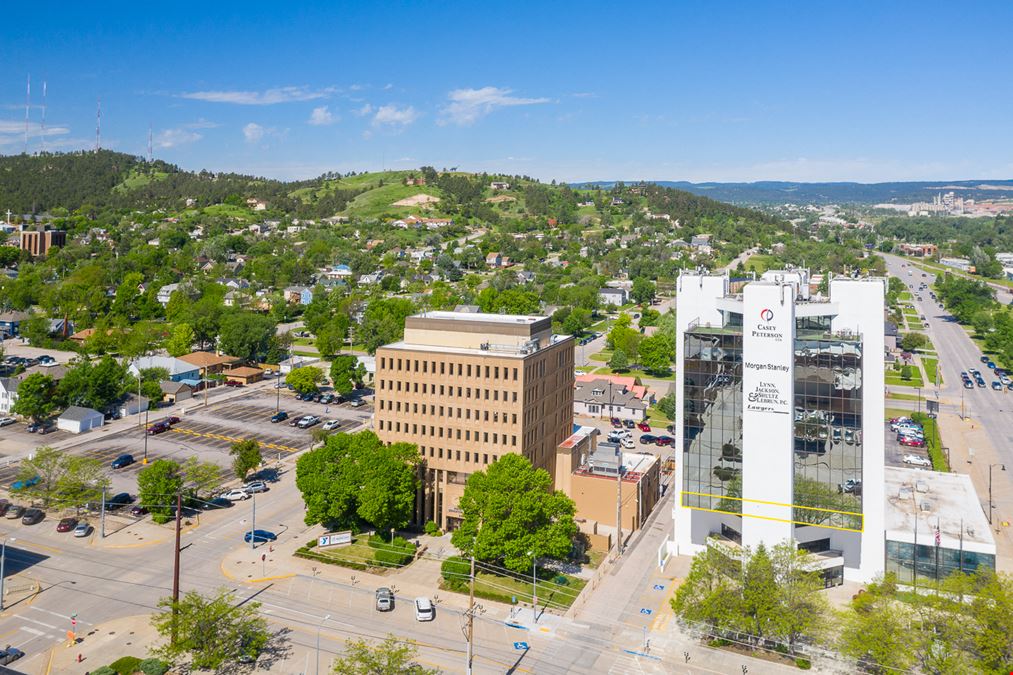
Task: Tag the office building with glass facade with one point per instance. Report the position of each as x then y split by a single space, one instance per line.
780 417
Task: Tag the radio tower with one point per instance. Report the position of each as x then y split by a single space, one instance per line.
98 124
28 100
43 116
149 142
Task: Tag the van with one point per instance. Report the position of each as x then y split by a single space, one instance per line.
424 610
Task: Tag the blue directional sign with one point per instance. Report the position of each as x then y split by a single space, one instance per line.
644 610
659 587
520 645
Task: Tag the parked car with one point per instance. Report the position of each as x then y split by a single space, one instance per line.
968 384
357 403
171 419
7 421
138 511
850 486
644 426
648 438
616 423
4 505
629 424
233 383
384 599
916 460
327 399
9 655
330 425
259 536
66 524
996 385
236 495
217 503
33 516
122 461
279 416
308 421
256 486
83 529
627 443
664 440
15 511
33 427
22 484
424 609
118 501
912 442
158 428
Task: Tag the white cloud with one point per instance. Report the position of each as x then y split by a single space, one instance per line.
363 111
171 138
253 132
266 97
321 116
468 105
12 132
394 116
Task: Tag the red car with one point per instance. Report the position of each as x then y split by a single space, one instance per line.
158 427
664 440
913 442
644 426
233 383
172 420
66 525
617 423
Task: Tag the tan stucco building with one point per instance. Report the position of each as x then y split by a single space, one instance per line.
468 388
39 241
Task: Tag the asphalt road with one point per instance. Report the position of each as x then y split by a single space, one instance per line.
957 352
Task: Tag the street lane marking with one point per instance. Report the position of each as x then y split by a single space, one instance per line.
232 439
271 578
41 623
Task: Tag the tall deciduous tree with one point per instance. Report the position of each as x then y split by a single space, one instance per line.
643 291
245 335
36 397
245 457
64 480
346 372
390 657
157 487
383 322
510 511
181 341
212 630
304 380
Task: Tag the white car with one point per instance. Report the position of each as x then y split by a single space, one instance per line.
424 609
331 424
236 495
627 443
357 403
916 460
308 421
7 421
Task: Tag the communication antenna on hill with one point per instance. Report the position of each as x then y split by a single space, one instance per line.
28 99
149 142
98 124
43 115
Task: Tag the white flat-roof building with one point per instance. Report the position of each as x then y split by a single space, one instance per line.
939 515
780 417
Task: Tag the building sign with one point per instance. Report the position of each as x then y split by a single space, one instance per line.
335 539
768 383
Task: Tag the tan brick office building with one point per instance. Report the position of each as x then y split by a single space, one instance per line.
468 388
39 241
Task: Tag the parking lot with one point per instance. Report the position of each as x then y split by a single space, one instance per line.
895 451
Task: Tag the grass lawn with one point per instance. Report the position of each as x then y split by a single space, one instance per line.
657 419
229 211
358 555
303 352
601 356
760 263
931 368
307 342
904 295
890 413
896 381
380 200
557 593
903 397
635 372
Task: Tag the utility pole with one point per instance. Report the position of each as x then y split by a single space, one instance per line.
990 489
102 517
3 560
145 462
619 502
534 587
175 567
471 614
253 524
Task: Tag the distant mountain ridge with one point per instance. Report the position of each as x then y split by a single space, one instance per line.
778 192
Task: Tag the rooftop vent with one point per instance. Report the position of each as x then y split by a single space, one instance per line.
922 486
926 505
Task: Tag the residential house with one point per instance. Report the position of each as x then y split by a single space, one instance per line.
497 260
10 323
8 393
412 180
615 297
174 392
525 277
890 336
701 242
244 375
133 404
470 309
371 279
256 204
298 295
233 299
53 370
499 185
338 272
233 283
165 292
77 419
290 364
178 370
604 397
209 362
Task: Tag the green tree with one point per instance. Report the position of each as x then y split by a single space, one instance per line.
211 630
245 335
181 341
759 595
710 593
390 657
657 353
64 480
510 510
906 372
577 321
356 476
911 342
36 397
106 384
330 339
199 478
157 487
878 632
346 372
304 380
643 291
245 457
625 339
383 322
619 362
666 405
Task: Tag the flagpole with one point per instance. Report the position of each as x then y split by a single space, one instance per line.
960 560
915 577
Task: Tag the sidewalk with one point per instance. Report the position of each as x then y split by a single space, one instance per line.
971 453
103 644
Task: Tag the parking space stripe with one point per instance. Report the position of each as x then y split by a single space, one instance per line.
232 439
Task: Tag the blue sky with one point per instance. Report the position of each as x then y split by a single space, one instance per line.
573 91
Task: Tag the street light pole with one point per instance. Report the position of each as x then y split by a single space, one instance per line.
534 587
3 561
318 642
145 436
277 391
253 526
1003 466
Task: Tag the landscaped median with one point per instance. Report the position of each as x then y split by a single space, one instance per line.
556 591
369 552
